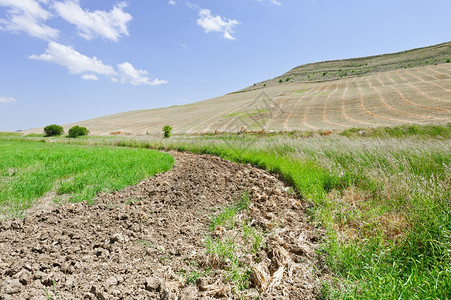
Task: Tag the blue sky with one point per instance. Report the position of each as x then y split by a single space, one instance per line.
69 60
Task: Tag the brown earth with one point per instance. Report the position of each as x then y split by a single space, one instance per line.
142 242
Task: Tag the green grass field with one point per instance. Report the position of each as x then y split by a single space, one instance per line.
383 199
30 169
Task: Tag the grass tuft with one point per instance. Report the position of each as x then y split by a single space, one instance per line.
227 216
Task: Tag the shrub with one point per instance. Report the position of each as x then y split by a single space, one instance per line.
77 131
53 130
167 131
448 60
280 80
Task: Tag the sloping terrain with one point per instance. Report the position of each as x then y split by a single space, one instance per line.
150 241
393 93
336 69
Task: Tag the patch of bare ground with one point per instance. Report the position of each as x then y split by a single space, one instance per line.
145 241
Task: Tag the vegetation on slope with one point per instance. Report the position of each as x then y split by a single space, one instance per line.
414 130
335 69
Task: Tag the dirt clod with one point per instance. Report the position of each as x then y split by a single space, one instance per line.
11 286
153 284
148 241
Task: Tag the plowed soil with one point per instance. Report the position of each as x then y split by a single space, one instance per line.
142 242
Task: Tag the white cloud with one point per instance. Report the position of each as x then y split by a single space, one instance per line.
216 24
88 67
4 99
171 2
74 61
111 25
129 74
27 16
89 77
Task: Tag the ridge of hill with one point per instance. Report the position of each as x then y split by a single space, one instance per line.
336 69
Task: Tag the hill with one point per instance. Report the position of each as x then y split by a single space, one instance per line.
336 69
393 89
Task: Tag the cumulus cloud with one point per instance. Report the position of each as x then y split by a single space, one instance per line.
74 61
171 2
27 16
4 99
128 74
110 25
88 67
216 24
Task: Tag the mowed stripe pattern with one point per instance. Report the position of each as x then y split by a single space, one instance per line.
419 95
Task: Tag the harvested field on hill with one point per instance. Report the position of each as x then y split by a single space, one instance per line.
153 241
419 95
342 68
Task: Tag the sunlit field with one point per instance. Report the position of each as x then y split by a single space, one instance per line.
383 201
30 170
381 196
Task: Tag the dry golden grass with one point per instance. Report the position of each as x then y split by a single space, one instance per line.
355 220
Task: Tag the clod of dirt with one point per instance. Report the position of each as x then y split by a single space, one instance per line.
153 284
143 242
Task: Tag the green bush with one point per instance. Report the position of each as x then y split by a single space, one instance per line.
53 130
167 131
77 131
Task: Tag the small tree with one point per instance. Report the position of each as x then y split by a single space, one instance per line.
167 131
77 131
53 130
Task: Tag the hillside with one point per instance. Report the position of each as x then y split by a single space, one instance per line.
400 88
